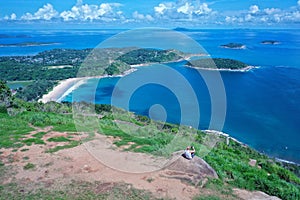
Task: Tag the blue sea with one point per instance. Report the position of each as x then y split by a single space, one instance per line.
262 105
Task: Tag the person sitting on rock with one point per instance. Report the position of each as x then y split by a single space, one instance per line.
189 152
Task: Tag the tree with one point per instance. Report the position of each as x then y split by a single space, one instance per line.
5 97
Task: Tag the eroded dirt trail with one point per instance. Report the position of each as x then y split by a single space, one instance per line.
79 164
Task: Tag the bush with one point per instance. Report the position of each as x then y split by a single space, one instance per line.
29 166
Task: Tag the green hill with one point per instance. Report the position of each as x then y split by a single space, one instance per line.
231 161
217 63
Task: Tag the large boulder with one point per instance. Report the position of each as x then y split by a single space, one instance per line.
253 195
195 171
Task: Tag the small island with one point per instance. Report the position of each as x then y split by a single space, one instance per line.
14 36
219 64
28 44
233 46
271 42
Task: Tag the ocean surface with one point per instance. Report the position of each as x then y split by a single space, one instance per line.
262 105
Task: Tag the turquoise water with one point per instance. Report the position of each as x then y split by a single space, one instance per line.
262 105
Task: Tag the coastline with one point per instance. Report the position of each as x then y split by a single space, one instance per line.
227 47
245 69
220 133
65 87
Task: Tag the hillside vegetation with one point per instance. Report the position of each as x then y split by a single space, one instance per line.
217 63
140 134
46 68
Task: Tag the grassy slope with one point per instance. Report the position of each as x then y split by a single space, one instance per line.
230 162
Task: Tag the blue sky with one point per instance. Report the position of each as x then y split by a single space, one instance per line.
140 13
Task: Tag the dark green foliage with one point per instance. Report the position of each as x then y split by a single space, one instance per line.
217 63
35 90
100 108
5 97
29 166
141 56
112 69
233 45
58 139
67 146
117 67
30 141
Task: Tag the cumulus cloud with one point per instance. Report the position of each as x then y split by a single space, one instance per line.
162 8
182 10
270 16
175 12
86 12
13 16
271 11
47 12
253 9
136 15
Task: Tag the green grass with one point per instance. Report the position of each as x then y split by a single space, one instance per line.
76 190
67 146
59 139
39 135
207 197
231 164
12 130
29 166
31 141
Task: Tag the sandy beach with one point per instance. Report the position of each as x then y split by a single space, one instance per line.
66 86
59 90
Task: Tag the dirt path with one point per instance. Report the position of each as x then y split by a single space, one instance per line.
97 160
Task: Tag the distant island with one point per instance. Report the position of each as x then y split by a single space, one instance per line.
181 29
14 36
272 42
233 46
221 64
27 44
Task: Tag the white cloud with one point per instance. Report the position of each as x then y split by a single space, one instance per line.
47 12
86 12
183 10
187 9
253 9
164 7
203 9
136 15
270 11
13 16
267 16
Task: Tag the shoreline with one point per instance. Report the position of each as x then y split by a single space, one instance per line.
220 133
245 69
65 87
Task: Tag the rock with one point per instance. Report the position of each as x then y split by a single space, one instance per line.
252 162
195 171
255 195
